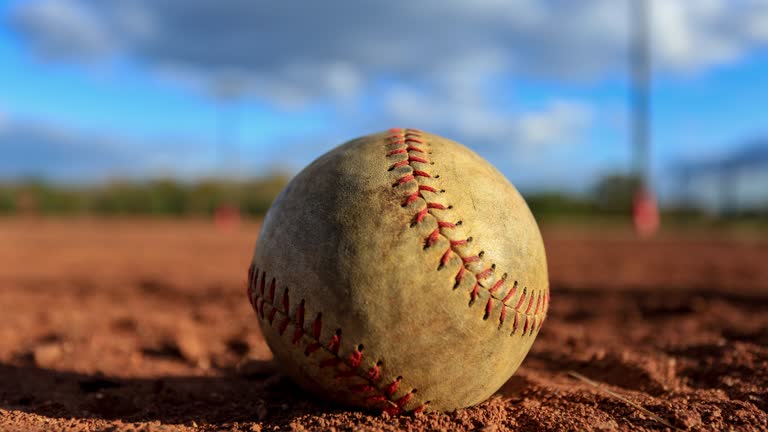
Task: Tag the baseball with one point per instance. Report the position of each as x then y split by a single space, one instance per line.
400 272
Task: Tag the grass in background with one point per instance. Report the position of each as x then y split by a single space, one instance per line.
158 197
607 203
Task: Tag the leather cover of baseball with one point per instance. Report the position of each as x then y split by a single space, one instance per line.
401 272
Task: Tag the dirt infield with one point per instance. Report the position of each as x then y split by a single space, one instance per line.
128 325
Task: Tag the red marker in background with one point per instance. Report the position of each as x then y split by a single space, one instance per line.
227 217
645 213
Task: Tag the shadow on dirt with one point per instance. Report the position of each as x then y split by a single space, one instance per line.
229 397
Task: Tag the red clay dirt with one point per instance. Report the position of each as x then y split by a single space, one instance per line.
144 325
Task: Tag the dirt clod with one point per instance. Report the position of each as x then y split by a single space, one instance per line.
46 355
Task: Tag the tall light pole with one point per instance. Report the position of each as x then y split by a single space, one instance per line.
640 98
645 212
228 92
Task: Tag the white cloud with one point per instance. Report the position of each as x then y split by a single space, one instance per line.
561 122
43 148
433 64
62 28
756 25
477 121
338 49
687 37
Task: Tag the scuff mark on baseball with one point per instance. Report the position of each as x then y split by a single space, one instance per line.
400 272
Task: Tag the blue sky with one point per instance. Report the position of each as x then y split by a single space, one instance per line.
93 90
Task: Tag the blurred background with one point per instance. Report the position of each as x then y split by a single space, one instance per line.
181 108
142 141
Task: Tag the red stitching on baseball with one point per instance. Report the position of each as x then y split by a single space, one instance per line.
356 357
417 159
488 308
392 387
510 293
416 195
398 164
530 303
411 198
484 274
404 399
460 275
392 409
502 316
432 239
361 388
349 368
287 303
375 372
475 292
496 286
520 302
446 257
421 408
260 309
538 304
335 342
404 179
376 398
404 138
249 285
272 291
420 215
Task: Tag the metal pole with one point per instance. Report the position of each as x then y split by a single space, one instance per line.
639 59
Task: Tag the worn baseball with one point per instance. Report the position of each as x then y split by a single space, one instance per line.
400 272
